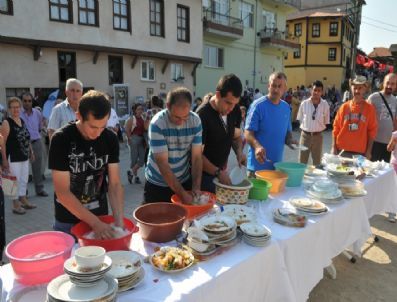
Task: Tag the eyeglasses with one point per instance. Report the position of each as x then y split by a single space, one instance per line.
314 114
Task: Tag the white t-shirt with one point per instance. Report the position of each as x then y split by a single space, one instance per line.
113 119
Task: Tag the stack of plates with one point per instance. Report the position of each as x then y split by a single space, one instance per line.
255 234
127 269
309 206
86 278
240 213
289 217
220 229
325 190
353 188
61 289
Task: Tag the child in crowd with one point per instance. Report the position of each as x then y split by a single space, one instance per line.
392 147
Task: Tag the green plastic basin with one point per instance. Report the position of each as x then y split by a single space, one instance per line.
260 189
295 172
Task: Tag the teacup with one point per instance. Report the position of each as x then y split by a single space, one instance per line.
90 257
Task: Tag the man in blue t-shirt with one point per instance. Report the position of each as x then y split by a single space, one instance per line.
268 126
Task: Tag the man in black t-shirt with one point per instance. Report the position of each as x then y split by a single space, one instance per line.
221 119
84 158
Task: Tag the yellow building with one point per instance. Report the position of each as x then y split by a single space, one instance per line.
325 54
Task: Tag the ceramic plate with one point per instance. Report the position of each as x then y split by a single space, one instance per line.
167 252
239 213
124 263
255 229
134 283
61 288
218 224
70 266
299 147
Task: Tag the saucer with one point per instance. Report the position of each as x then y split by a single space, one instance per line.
71 268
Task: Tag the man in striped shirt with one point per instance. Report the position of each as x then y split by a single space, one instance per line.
175 155
313 115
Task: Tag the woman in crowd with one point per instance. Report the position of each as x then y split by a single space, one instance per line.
135 129
16 153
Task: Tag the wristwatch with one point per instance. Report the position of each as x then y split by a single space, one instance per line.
217 172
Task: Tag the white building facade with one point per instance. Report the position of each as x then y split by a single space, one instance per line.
150 45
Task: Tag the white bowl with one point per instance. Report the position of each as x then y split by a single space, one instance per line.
89 256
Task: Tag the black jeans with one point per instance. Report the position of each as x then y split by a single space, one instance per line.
207 183
379 152
154 193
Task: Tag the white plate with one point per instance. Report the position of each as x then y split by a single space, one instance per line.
333 168
237 175
239 213
124 263
218 224
165 249
255 229
299 147
308 205
135 283
70 266
61 288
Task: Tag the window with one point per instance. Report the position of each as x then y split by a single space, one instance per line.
315 30
61 11
269 20
177 72
213 57
220 11
183 23
121 15
298 29
157 18
6 7
115 70
15 92
66 65
247 14
147 71
297 54
332 54
333 29
88 12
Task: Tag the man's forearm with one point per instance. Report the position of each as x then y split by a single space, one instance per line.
237 145
116 200
251 140
197 170
208 167
170 178
369 145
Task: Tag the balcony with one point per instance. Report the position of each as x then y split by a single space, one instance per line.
289 4
273 38
221 25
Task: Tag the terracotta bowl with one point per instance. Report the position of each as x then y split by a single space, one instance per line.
160 221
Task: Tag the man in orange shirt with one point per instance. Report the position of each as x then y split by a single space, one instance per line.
355 124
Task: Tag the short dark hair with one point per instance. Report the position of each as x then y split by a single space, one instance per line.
96 103
179 95
26 93
156 101
135 107
229 83
318 84
278 75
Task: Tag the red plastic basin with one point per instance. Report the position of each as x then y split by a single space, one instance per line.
196 210
38 257
117 244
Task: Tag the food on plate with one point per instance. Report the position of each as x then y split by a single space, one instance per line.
239 213
289 217
172 258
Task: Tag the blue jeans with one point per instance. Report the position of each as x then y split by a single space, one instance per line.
63 227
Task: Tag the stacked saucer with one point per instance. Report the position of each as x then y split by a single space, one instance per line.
86 277
220 229
325 190
127 269
309 206
255 234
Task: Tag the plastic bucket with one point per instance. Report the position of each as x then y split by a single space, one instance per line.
295 172
260 189
276 178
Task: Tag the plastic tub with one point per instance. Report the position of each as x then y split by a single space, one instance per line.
38 258
160 221
196 210
116 244
278 179
232 194
295 172
260 189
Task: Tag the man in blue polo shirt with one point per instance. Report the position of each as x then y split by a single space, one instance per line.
268 126
175 156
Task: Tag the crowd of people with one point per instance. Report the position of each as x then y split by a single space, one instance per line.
183 144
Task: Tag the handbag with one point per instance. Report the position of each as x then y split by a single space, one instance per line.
9 184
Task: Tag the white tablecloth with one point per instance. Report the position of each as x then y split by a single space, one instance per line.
286 269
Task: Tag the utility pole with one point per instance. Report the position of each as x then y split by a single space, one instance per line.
356 13
255 38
